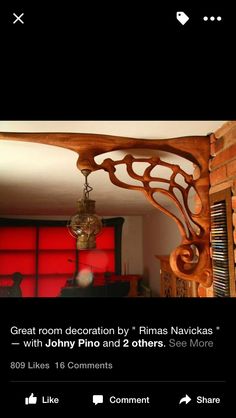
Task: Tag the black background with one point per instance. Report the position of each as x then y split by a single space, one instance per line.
103 62
137 372
97 61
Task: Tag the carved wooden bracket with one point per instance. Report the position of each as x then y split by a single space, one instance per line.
191 259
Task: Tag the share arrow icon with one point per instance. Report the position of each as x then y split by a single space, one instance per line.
186 399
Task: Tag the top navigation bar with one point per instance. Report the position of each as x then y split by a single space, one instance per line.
23 16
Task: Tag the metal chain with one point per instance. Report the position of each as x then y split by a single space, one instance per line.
87 188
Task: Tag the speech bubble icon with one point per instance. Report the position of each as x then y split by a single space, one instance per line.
97 399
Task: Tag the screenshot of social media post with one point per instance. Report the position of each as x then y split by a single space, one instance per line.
117 264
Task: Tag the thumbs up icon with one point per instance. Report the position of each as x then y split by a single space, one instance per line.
31 400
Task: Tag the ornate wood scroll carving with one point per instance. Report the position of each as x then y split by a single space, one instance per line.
191 259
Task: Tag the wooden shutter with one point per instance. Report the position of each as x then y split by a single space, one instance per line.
222 243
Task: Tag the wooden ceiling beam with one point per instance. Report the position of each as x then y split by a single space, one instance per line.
191 259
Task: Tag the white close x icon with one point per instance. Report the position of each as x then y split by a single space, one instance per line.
18 18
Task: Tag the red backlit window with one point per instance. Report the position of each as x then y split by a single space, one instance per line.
47 258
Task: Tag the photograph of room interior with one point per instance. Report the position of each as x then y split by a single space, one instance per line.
117 208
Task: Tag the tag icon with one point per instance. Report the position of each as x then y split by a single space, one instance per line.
182 17
31 400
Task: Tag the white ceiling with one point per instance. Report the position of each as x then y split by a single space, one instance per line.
43 181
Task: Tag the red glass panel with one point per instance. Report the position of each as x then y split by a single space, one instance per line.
6 281
17 237
97 260
56 262
99 279
28 287
56 238
50 286
23 261
106 238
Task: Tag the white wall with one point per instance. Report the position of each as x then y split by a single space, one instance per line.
160 236
132 245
